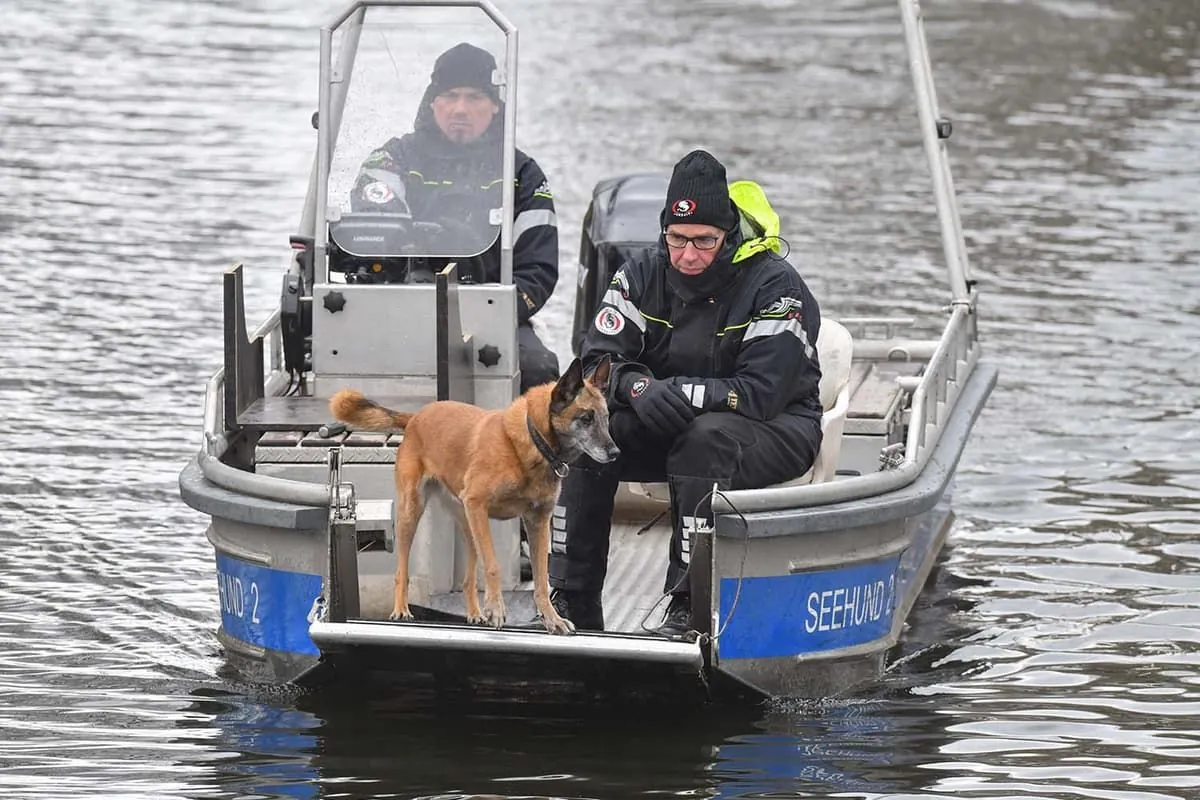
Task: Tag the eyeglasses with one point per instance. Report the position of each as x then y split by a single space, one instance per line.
678 241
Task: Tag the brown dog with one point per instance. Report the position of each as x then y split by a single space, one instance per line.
492 463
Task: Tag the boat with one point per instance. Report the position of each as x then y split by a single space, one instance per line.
808 584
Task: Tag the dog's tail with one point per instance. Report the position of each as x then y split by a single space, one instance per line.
351 407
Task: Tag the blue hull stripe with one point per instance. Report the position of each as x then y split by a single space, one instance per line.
266 607
807 612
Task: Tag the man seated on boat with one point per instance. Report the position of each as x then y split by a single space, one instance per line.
714 380
448 171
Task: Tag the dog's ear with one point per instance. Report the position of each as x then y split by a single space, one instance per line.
599 376
568 388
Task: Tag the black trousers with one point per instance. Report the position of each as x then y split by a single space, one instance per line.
537 363
724 448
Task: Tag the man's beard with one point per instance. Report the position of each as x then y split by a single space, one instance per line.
460 134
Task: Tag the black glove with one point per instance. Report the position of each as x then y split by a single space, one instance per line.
659 405
525 309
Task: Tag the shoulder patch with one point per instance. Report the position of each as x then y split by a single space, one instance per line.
783 308
377 192
543 190
609 321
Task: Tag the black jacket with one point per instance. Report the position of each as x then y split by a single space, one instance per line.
435 178
741 337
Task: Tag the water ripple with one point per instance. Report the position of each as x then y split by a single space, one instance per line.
147 146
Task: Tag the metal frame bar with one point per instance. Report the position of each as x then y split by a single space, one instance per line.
329 122
332 100
317 195
529 642
341 582
953 243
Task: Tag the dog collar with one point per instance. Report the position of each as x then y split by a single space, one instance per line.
557 464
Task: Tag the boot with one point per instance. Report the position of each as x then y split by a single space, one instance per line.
677 622
581 607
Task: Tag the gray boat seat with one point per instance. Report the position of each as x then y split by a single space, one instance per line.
835 349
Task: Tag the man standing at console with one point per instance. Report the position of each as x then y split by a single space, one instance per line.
449 171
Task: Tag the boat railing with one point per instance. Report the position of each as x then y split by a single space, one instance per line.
887 339
933 395
936 391
216 440
271 332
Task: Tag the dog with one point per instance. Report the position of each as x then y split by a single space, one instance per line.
493 465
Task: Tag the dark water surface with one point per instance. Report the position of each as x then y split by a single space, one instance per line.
145 145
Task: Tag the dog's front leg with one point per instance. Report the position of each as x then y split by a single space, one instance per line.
481 531
537 525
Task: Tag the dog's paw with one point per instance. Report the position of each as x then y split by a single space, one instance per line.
401 615
494 613
474 615
557 624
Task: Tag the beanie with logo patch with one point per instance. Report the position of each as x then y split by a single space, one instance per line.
464 65
698 194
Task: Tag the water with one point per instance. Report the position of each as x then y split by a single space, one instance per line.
145 145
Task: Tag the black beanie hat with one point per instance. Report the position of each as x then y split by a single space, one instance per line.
698 193
464 65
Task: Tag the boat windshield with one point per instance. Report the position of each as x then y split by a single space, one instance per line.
418 163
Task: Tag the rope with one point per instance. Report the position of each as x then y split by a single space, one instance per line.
741 568
712 495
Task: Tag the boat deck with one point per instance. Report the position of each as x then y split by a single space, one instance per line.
637 568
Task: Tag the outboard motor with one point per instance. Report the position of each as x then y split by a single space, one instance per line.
621 219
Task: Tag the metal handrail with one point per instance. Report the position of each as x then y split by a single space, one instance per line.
271 332
266 487
215 442
940 373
